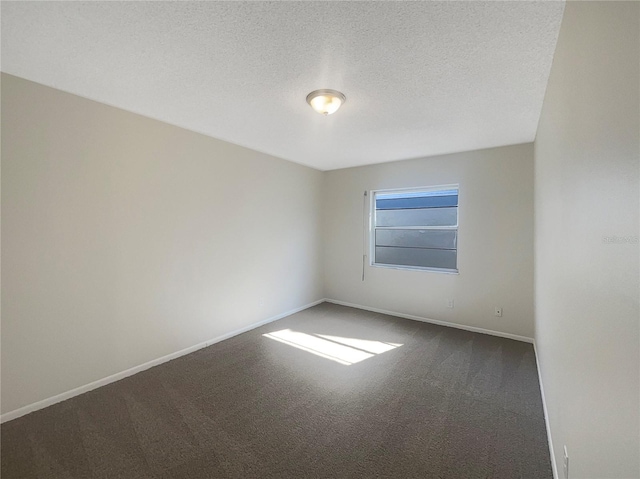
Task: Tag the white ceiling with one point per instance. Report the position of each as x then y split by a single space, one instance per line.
421 78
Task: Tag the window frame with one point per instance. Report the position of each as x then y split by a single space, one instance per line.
372 228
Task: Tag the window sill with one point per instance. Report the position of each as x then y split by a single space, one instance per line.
415 268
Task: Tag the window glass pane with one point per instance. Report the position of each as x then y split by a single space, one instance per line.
416 228
418 217
426 258
442 239
417 194
417 202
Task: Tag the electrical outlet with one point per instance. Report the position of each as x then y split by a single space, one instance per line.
565 463
499 311
450 304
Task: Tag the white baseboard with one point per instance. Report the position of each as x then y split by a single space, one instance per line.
552 453
434 321
16 413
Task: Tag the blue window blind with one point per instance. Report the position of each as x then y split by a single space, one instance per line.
417 229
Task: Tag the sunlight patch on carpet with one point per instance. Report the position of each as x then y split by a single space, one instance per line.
345 351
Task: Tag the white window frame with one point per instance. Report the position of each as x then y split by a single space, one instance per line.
372 228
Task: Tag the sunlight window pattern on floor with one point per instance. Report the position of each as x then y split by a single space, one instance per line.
345 351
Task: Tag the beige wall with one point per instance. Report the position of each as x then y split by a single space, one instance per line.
126 239
495 246
587 306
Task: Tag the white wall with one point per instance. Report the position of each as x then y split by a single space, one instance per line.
126 239
587 288
495 246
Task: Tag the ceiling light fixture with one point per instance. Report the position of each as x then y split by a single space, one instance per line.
326 101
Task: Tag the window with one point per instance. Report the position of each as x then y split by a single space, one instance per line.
416 228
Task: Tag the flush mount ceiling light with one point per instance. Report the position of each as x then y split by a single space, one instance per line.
326 101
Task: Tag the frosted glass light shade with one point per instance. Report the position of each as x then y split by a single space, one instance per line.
325 101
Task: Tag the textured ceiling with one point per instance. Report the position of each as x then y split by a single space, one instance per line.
421 78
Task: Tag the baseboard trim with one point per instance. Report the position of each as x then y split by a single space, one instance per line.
434 321
552 453
16 413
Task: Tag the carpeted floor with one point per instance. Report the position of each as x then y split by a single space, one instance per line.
331 392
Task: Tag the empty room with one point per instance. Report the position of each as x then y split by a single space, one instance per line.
317 239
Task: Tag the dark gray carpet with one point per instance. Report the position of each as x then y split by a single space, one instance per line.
445 404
